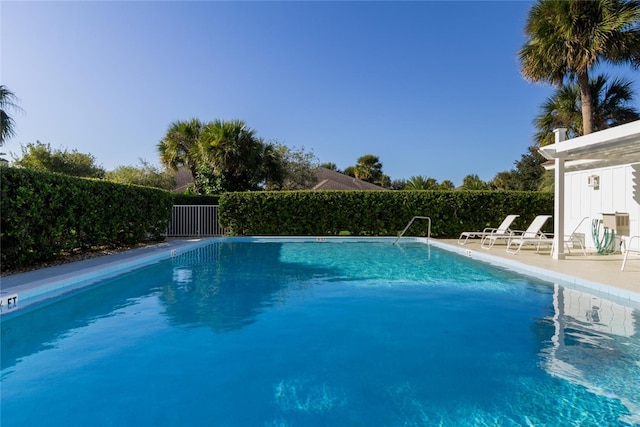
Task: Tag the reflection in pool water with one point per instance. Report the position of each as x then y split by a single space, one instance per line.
322 334
593 347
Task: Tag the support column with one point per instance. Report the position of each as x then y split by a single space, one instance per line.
558 201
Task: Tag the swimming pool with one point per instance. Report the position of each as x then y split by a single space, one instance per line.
288 333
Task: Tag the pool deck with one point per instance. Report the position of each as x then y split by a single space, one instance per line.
596 272
599 273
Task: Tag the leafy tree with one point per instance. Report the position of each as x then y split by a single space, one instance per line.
547 182
146 175
205 181
330 166
385 181
566 39
527 174
529 170
504 180
473 182
181 147
422 183
564 108
398 184
297 169
41 157
350 170
8 101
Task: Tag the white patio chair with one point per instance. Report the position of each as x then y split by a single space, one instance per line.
630 248
502 229
574 239
532 236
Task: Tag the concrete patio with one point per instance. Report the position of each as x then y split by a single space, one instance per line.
594 271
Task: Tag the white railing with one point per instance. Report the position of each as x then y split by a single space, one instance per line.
409 225
195 220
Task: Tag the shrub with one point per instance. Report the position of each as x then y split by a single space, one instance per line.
45 214
376 213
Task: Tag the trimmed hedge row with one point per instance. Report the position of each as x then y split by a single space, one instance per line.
377 213
45 214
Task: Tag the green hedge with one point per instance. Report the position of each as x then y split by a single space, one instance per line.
45 214
377 213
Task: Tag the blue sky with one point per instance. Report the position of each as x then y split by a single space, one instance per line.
432 88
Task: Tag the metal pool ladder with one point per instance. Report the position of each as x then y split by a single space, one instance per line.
409 225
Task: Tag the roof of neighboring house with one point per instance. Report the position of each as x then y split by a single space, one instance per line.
332 180
326 180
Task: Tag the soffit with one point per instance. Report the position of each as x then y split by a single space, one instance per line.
617 145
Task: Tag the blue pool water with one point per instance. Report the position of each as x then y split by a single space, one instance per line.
322 334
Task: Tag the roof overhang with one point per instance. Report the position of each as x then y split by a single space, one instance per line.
582 164
609 147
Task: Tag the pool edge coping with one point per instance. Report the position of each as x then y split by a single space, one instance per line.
35 287
542 273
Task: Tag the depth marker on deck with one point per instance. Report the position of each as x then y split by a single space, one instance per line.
8 301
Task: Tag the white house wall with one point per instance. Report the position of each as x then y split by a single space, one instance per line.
619 191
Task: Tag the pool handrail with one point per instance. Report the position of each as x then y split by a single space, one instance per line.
409 225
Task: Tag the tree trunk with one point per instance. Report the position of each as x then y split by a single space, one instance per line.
587 103
193 169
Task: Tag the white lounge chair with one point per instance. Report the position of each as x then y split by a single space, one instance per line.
574 239
503 229
630 248
532 236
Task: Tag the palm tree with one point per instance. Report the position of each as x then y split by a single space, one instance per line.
421 183
235 154
567 38
447 185
473 182
181 146
564 109
369 168
8 101
274 165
